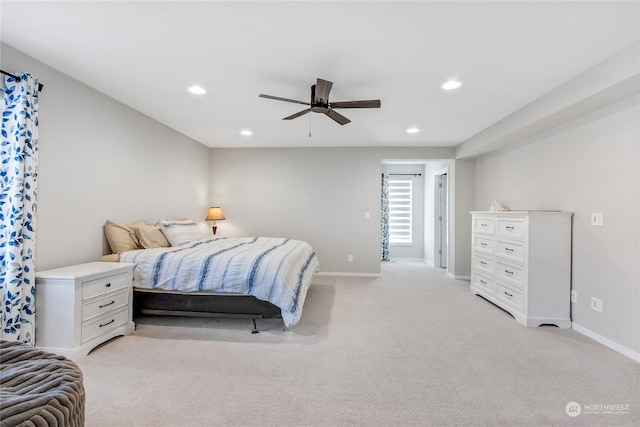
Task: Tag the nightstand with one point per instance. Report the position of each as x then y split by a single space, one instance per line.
81 306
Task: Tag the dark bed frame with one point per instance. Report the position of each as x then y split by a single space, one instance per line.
202 305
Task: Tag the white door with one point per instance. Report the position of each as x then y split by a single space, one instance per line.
441 216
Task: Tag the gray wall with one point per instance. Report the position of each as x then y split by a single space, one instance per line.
98 160
588 165
461 197
315 194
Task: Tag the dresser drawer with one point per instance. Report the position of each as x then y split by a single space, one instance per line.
514 228
104 305
483 244
483 263
512 296
510 249
106 284
483 225
513 273
103 324
483 282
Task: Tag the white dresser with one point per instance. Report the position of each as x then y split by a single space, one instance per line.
521 262
82 306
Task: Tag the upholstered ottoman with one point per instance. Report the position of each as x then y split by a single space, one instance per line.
39 388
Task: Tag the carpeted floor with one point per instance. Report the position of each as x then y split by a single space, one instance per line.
411 348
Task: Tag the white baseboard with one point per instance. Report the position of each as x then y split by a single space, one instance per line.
607 342
341 274
453 276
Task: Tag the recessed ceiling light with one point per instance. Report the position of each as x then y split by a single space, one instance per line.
413 130
197 90
246 132
451 84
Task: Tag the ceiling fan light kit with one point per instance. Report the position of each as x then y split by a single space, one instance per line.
319 103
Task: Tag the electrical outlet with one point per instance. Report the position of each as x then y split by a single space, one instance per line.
596 304
574 296
597 219
350 258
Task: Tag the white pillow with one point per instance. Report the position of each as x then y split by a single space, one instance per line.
180 232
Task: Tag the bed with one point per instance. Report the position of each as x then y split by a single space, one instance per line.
227 276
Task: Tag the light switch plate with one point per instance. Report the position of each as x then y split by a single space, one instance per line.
597 219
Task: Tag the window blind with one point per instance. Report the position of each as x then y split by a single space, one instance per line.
400 210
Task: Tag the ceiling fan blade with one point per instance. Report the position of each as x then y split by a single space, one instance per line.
277 98
337 117
374 103
323 87
298 114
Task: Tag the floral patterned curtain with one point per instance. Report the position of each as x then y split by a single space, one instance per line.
18 175
385 218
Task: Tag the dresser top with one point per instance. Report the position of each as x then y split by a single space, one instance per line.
532 212
90 269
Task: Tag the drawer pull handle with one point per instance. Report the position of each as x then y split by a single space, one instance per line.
108 323
483 244
108 304
483 225
108 285
483 282
508 249
508 294
508 272
510 227
483 263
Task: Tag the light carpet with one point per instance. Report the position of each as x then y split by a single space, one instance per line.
410 348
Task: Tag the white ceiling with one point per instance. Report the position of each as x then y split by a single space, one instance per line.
146 53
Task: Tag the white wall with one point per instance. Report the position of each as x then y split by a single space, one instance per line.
315 194
588 165
98 160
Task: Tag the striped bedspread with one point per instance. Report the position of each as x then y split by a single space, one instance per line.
272 269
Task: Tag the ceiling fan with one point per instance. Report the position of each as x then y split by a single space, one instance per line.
320 103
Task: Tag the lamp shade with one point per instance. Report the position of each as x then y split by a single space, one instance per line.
214 214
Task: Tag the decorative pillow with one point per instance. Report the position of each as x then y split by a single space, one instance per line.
150 236
180 232
121 237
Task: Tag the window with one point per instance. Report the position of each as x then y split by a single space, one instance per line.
400 211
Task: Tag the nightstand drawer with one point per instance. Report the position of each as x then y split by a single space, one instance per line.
104 305
104 324
103 285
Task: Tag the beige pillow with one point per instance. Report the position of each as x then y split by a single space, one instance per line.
121 237
150 236
110 258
